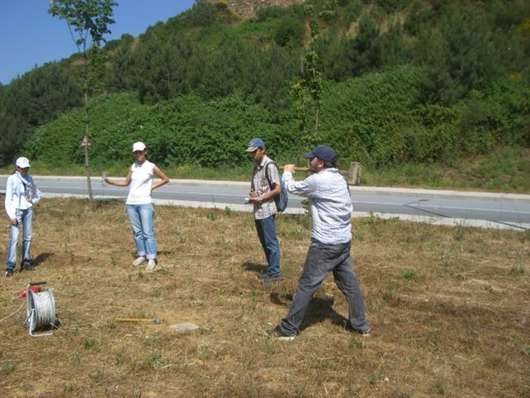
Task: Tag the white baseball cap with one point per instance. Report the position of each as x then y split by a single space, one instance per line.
138 146
22 162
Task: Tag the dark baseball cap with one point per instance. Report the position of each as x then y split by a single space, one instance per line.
323 152
254 144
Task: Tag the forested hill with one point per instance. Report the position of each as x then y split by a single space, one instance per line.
250 8
385 81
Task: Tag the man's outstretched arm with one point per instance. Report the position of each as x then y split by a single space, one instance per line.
302 188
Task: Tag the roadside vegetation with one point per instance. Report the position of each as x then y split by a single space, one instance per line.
449 308
411 89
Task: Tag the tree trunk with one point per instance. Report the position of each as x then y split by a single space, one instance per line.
86 138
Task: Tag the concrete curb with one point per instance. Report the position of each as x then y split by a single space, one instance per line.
461 222
441 192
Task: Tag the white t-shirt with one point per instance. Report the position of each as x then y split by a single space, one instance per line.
141 183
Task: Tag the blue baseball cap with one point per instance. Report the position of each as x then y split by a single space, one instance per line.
323 152
255 143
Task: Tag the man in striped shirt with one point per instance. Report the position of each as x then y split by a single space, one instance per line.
264 186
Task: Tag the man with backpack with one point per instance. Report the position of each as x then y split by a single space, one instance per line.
265 188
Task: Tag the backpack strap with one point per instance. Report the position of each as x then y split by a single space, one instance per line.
267 172
252 187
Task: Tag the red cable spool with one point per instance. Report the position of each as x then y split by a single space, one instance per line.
34 289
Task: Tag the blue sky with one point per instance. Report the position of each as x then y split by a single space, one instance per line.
30 36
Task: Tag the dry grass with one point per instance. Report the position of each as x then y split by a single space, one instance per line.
449 308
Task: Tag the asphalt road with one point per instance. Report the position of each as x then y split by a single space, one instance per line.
502 208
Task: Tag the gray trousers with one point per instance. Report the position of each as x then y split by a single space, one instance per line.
321 259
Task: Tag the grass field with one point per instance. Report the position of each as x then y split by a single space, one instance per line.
449 309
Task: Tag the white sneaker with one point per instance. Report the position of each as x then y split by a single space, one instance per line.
151 264
139 261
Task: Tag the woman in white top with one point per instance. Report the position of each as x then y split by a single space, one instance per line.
140 205
21 195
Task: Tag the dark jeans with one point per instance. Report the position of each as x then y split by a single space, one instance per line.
320 260
266 229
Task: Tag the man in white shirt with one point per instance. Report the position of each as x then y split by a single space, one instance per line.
331 211
21 195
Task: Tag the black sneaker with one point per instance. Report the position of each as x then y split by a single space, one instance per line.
9 273
27 265
271 278
277 333
364 333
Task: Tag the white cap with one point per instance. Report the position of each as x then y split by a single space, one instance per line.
138 146
22 162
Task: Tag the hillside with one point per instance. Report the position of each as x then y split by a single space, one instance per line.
388 83
249 8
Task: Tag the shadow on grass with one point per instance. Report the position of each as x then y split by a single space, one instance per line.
107 203
41 258
321 309
254 267
281 299
158 253
318 311
166 252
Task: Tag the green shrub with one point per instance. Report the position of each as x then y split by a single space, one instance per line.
437 136
289 31
377 119
365 118
183 130
352 9
392 5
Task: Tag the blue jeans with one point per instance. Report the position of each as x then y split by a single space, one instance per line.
141 219
266 229
24 217
321 259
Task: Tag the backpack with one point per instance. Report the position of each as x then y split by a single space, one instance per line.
282 198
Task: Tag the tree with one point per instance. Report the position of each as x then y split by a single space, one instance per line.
32 100
463 52
306 91
88 22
